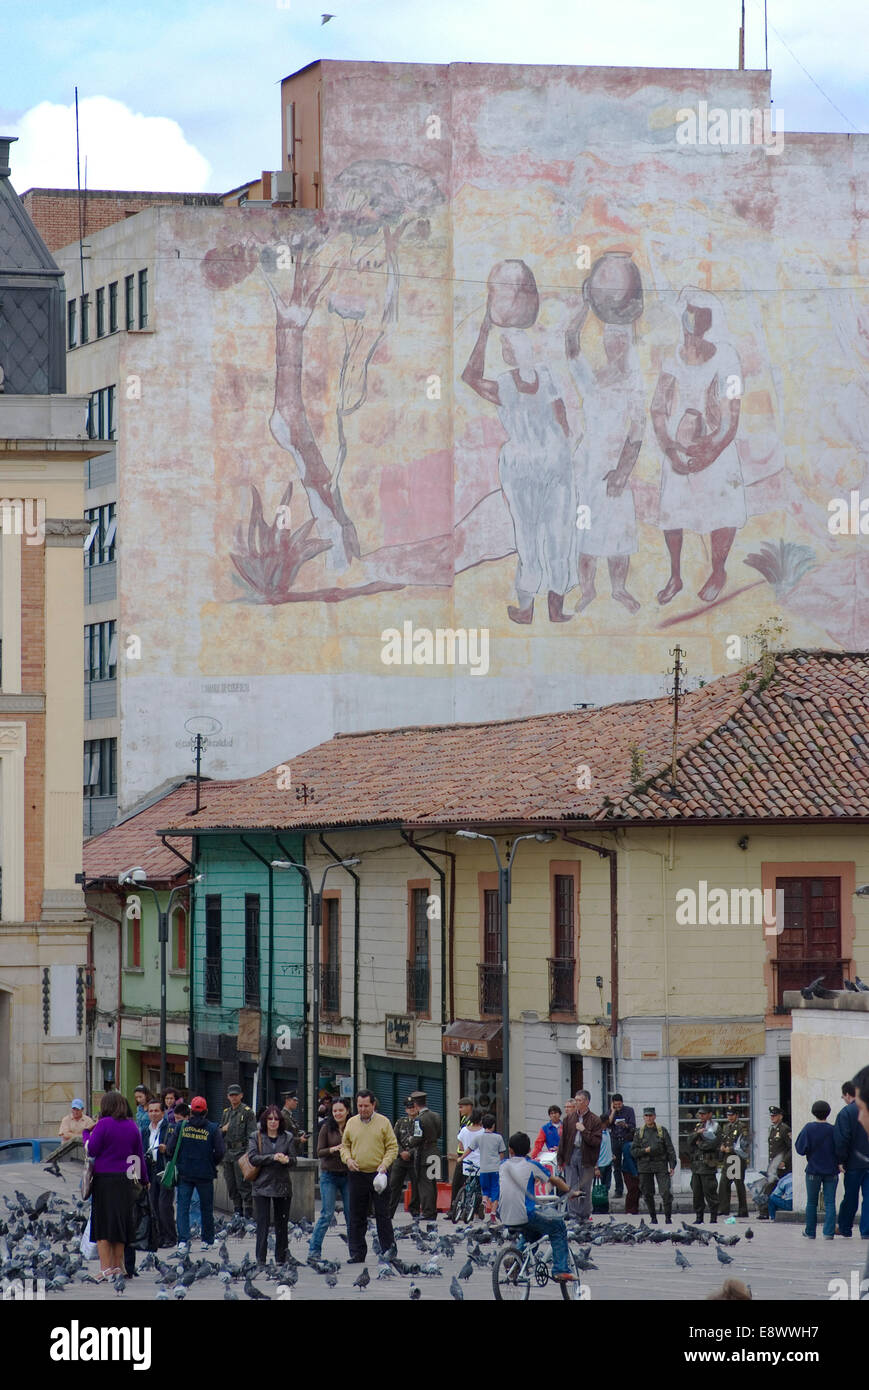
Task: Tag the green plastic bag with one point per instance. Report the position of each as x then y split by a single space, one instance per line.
599 1197
168 1177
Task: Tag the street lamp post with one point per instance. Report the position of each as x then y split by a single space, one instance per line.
136 878
505 881
316 924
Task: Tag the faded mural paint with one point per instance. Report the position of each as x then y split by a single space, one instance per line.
552 337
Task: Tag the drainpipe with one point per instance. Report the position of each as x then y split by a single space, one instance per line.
356 915
261 1087
612 855
441 873
286 853
191 913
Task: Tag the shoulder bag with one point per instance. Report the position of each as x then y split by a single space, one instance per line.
249 1170
169 1175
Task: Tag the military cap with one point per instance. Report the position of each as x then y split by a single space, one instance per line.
776 1110
234 1091
649 1110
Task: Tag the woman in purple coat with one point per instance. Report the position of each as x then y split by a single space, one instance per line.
115 1145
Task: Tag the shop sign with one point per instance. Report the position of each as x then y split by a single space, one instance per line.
249 1024
400 1033
335 1044
481 1049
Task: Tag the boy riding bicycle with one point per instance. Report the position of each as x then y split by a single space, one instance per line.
518 1211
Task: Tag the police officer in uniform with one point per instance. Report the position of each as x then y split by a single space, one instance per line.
735 1149
703 1146
655 1157
237 1124
423 1144
291 1105
404 1168
779 1157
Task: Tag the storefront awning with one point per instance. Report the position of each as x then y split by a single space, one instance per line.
469 1039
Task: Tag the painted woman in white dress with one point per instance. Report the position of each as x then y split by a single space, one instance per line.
695 414
614 409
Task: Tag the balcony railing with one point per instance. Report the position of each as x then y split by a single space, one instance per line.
213 981
418 988
330 988
794 974
562 973
251 983
490 988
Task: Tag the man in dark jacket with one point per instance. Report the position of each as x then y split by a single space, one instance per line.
200 1149
703 1146
655 1158
852 1151
779 1158
861 1095
161 1199
578 1152
403 1169
237 1124
423 1144
623 1125
735 1149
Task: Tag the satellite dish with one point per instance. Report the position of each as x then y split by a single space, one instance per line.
203 724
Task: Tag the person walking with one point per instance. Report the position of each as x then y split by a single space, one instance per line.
623 1126
549 1134
200 1148
162 1199
703 1146
237 1124
852 1151
73 1125
735 1149
272 1153
404 1168
294 1128
115 1145
655 1157
333 1173
578 1151
368 1148
816 1141
466 1105
779 1158
423 1144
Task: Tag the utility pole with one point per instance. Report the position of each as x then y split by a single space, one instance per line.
678 673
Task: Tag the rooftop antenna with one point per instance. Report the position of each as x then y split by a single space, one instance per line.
200 726
765 40
742 39
80 205
678 672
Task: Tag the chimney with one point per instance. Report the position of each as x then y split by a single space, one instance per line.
5 142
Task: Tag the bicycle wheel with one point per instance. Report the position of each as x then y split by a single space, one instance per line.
510 1282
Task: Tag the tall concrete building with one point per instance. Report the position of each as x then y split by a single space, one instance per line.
44 446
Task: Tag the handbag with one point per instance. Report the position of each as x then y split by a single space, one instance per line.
169 1175
142 1215
249 1170
87 1177
599 1196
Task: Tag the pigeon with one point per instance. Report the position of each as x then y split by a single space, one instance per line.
864 989
363 1280
722 1258
821 993
223 1252
681 1261
807 991
385 1272
466 1270
54 1170
179 1292
852 988
162 1294
331 1281
255 1293
749 1233
119 1283
415 1293
324 19
456 1290
229 1296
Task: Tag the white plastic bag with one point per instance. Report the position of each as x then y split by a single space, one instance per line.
86 1245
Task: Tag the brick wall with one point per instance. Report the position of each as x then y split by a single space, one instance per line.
55 211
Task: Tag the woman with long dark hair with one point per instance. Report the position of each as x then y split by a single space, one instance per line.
115 1145
333 1173
272 1152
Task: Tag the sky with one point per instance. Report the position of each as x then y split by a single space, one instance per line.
184 95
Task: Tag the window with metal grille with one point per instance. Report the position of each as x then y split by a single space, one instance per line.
113 307
213 934
491 927
143 299
562 965
134 943
101 311
419 964
251 950
129 301
100 651
100 767
99 546
71 308
85 317
810 943
330 957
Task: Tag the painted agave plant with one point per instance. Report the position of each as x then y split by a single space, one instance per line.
783 565
275 554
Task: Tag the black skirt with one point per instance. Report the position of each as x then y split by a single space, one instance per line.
112 1212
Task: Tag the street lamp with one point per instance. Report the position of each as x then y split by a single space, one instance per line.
316 923
136 878
505 874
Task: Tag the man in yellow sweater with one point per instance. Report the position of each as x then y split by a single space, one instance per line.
368 1147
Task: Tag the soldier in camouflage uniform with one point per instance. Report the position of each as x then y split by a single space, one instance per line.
404 1167
734 1151
237 1124
703 1146
655 1157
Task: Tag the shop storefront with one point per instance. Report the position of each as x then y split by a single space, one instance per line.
723 1084
478 1048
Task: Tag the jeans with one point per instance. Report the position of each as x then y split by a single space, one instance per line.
544 1223
856 1183
814 1183
779 1204
205 1188
330 1185
261 1212
360 1191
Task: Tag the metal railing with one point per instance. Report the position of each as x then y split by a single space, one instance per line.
490 977
418 988
562 973
213 981
330 988
251 982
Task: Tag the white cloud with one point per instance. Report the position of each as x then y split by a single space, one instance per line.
123 149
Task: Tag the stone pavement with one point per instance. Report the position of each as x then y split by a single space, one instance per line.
779 1263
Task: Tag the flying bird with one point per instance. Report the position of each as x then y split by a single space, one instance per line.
722 1258
324 19
54 1169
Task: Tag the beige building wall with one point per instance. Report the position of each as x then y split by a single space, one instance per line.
829 1045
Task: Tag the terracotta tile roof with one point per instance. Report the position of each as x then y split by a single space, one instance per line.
136 840
790 743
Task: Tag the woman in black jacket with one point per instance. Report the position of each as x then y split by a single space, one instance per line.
271 1150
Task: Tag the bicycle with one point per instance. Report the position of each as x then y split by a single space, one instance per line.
470 1198
520 1265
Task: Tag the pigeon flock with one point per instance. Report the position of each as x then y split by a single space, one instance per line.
815 989
40 1239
